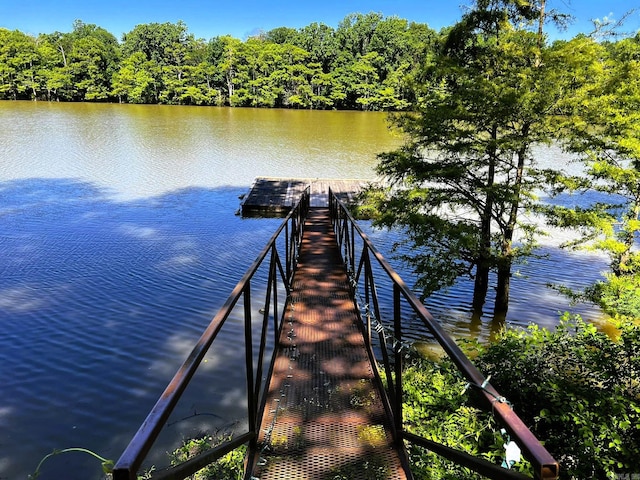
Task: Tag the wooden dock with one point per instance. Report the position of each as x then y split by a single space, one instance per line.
272 196
324 416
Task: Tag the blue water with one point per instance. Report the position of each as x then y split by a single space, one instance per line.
101 302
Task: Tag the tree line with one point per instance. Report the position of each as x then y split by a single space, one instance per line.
364 64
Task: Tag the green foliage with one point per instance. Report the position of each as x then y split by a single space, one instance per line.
439 406
466 172
618 295
228 467
577 389
361 65
466 175
603 129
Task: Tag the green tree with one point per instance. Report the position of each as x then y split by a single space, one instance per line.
282 35
355 32
135 82
159 42
18 65
166 47
200 81
54 71
295 77
466 172
320 41
91 61
326 91
365 81
229 64
89 69
55 49
603 129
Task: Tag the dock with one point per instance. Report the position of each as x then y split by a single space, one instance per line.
316 405
324 415
274 197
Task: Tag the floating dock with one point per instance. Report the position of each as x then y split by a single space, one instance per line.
274 197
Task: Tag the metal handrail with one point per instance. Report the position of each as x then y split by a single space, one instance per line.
290 231
358 252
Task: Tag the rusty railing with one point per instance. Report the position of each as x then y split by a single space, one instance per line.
359 256
287 238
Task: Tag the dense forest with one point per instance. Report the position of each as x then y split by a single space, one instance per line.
365 63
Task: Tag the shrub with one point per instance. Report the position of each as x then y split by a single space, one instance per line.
228 467
577 389
439 406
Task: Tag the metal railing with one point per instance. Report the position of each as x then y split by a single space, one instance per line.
284 243
279 256
359 256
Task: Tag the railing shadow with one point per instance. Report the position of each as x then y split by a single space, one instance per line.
361 258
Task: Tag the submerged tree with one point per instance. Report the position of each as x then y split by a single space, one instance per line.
466 172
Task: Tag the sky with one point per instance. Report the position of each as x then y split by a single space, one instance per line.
243 18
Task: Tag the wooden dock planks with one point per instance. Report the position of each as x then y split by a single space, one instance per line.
272 196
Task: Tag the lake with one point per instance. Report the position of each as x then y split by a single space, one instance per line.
119 241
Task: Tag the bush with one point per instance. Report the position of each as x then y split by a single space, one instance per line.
228 467
577 389
439 406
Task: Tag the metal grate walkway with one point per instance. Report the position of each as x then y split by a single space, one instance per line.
324 417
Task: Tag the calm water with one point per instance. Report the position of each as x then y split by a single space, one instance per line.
119 241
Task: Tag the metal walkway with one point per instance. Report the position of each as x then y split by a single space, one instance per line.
321 412
324 415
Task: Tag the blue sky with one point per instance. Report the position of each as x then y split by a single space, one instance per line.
241 18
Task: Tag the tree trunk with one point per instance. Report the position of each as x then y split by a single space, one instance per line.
483 266
506 261
480 289
503 286
541 21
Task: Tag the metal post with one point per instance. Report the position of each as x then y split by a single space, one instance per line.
397 349
252 403
368 284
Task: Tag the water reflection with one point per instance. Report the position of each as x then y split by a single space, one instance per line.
138 151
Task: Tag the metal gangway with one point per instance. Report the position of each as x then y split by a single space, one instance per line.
317 405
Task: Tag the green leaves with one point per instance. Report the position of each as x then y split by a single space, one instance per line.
602 129
466 174
439 406
577 389
364 64
228 467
